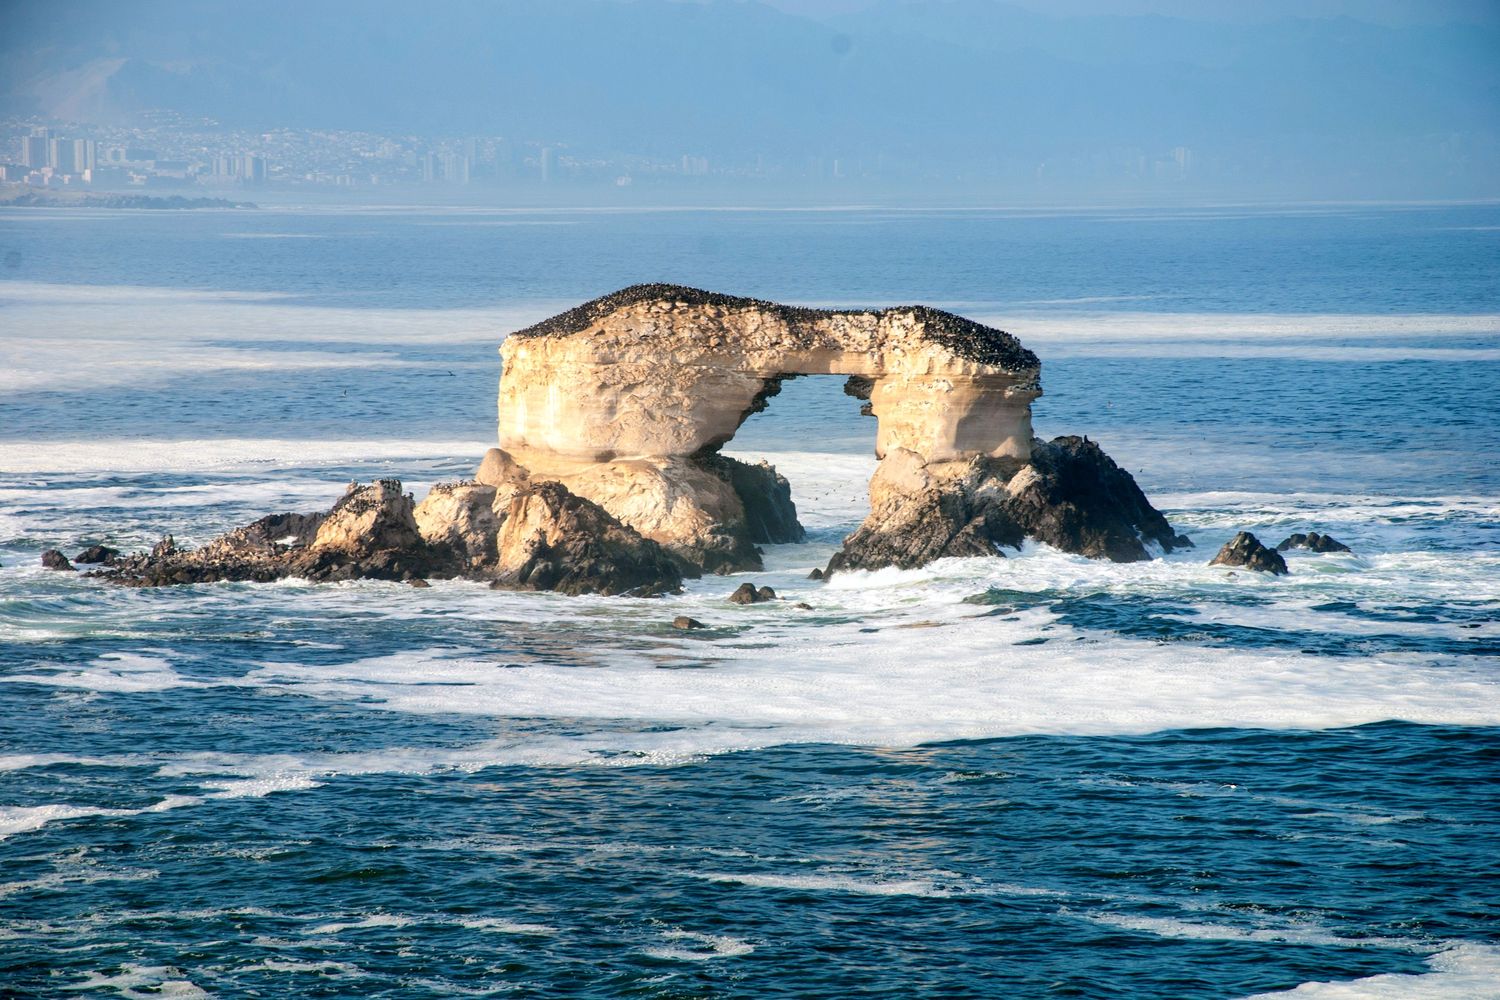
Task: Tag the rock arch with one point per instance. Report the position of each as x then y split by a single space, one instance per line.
626 400
608 478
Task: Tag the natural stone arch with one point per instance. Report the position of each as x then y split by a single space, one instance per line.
608 477
627 399
663 371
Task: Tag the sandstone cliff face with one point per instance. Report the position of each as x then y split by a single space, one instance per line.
626 400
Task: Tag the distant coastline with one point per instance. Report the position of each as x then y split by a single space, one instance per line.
83 199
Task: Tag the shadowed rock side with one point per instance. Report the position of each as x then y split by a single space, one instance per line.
1070 495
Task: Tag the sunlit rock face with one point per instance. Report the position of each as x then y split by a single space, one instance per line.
627 399
660 371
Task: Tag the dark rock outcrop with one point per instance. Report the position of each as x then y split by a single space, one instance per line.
748 593
1071 495
937 522
770 514
1075 498
367 535
1245 550
1313 542
53 559
97 554
686 624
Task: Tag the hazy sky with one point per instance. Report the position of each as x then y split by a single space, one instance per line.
1036 99
1394 12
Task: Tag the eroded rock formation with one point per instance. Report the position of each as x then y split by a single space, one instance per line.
1313 542
608 476
540 538
1245 550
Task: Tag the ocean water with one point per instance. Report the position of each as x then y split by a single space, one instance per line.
1033 777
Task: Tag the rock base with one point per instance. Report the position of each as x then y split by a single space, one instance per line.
1070 495
543 538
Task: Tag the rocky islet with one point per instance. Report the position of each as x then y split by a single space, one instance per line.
608 476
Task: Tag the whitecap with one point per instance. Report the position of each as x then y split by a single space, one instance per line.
1465 970
690 946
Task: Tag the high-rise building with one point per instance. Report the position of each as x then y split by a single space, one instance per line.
253 169
34 151
456 168
546 164
430 168
84 155
60 156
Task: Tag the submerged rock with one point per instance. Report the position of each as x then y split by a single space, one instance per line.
1244 549
686 624
53 559
748 593
1313 542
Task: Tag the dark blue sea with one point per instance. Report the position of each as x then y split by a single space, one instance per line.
1033 777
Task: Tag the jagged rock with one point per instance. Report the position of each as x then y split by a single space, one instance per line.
802 606
1244 549
53 559
1313 542
685 623
765 495
369 519
503 473
816 574
97 554
553 540
1074 497
419 583
545 539
368 534
1070 495
463 517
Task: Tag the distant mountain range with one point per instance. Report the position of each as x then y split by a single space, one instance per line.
941 89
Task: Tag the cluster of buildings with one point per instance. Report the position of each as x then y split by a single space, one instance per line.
48 160
176 152
167 150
